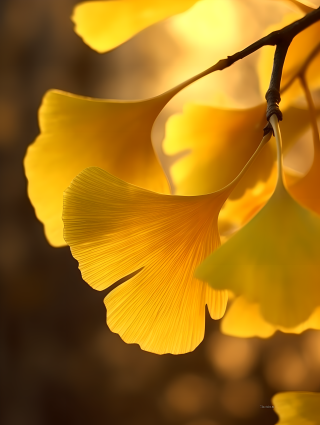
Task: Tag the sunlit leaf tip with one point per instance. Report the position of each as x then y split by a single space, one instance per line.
104 25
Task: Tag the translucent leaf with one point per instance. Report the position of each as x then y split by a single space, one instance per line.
274 260
218 143
79 132
104 25
238 212
115 229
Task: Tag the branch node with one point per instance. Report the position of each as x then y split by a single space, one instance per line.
273 99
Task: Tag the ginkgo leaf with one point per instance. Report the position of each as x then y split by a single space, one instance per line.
244 320
212 160
297 408
302 46
104 25
79 132
208 134
274 260
237 212
115 229
240 211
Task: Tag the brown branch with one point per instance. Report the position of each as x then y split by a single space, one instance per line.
273 92
274 38
282 39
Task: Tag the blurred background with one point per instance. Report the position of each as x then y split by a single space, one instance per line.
59 362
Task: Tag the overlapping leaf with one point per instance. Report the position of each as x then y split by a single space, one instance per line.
79 132
273 261
115 229
218 144
244 320
104 25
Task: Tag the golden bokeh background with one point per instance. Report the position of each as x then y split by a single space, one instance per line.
59 361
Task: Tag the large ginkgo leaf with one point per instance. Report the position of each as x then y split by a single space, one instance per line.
104 25
115 229
274 260
79 132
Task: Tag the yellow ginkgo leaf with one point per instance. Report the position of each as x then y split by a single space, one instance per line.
297 408
237 212
115 229
306 190
104 25
213 159
79 132
302 46
274 260
244 320
240 211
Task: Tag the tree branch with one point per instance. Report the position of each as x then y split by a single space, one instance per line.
273 92
274 38
282 39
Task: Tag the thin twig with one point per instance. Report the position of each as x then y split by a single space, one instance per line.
273 93
282 39
312 111
272 39
303 68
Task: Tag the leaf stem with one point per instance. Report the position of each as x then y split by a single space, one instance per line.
277 133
